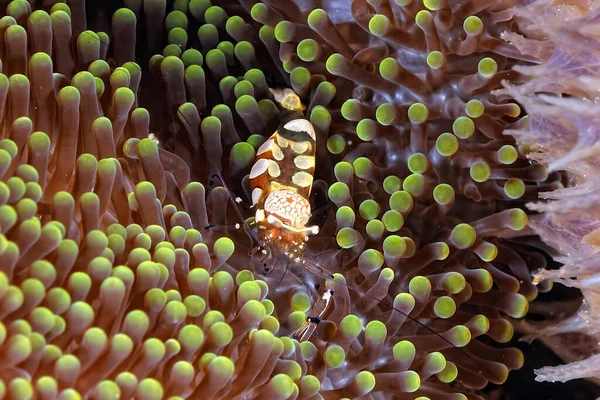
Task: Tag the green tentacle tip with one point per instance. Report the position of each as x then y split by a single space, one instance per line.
242 153
221 334
339 191
449 373
369 209
401 201
309 386
508 154
343 171
514 110
320 116
224 247
244 104
463 236
443 194
365 381
389 68
351 326
351 110
216 16
519 306
518 219
436 60
474 108
293 370
192 57
404 351
480 323
370 261
316 17
392 220
460 335
394 245
249 290
514 188
195 305
334 356
473 25
20 389
423 18
259 12
487 67
379 25
346 238
334 63
386 114
444 307
243 88
346 216
446 144
432 5
480 171
375 229
269 306
463 127
418 163
362 167
300 302
309 350
376 331
336 144
366 129
300 76
282 385
414 184
419 286
149 389
221 366
308 50
454 282
418 113
412 381
392 184
255 141
435 362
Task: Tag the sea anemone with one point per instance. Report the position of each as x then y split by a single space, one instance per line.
112 285
561 99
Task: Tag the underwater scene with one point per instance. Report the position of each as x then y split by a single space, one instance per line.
300 199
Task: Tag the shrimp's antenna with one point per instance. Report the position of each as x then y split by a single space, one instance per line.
306 263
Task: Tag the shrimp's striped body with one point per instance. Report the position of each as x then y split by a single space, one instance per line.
281 180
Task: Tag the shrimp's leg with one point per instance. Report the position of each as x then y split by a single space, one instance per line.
318 311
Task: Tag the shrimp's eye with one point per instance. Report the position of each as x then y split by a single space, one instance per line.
317 286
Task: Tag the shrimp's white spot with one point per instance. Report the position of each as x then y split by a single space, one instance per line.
299 147
281 141
301 125
256 193
302 179
304 162
266 146
277 153
274 170
270 145
259 168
